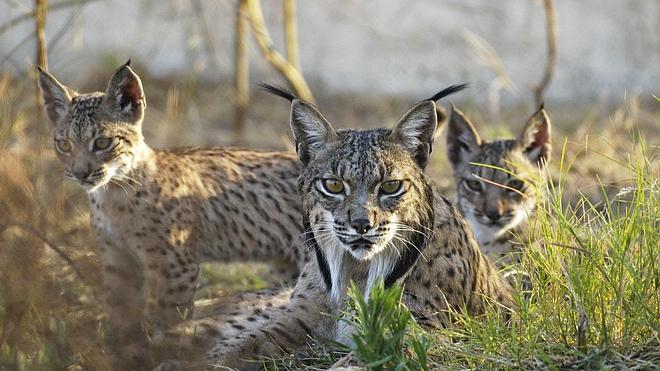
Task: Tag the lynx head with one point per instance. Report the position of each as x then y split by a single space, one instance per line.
97 136
493 179
365 196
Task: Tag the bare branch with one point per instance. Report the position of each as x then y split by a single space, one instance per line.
31 14
289 71
291 33
41 58
18 46
241 68
58 250
551 29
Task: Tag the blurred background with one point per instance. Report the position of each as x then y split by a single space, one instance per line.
407 49
594 63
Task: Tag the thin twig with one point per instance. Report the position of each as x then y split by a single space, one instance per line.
41 57
551 29
48 244
291 33
16 48
286 69
579 249
66 26
31 14
241 68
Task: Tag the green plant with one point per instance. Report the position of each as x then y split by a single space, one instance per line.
386 336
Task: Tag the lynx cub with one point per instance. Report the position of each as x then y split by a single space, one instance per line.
157 214
373 214
497 202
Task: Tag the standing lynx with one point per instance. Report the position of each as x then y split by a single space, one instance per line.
495 185
157 214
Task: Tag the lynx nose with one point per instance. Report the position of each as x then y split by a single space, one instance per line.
362 226
493 214
81 174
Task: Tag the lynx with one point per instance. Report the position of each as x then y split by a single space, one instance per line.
157 214
495 181
372 214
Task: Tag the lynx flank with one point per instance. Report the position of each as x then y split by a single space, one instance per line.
372 214
497 199
158 214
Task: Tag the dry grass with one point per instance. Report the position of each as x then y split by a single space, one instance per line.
50 316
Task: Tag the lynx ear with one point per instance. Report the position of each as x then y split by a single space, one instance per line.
311 131
462 138
56 96
415 131
124 95
535 138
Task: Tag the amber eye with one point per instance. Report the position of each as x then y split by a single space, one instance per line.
516 184
63 145
333 185
102 143
473 184
391 187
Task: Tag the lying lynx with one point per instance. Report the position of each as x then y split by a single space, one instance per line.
372 214
158 214
495 180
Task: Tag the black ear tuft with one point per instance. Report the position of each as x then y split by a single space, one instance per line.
278 90
447 91
128 62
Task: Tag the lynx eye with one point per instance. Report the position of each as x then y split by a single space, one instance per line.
516 184
391 187
333 185
473 184
63 145
102 144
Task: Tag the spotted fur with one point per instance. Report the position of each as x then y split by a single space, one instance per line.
158 214
496 181
410 236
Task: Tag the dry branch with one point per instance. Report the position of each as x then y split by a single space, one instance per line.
48 243
551 29
31 14
284 67
291 33
41 59
241 68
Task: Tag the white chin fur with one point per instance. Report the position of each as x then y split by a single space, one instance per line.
364 254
